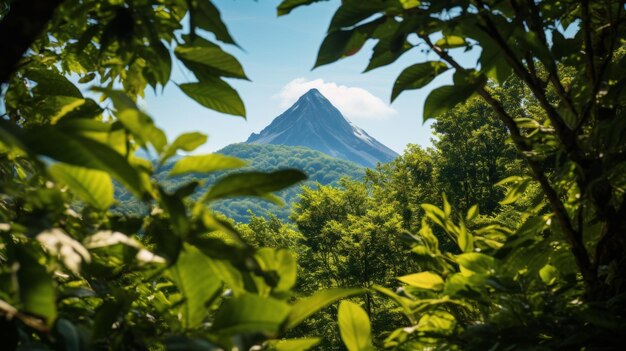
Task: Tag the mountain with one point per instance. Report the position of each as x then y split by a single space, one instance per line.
315 123
319 167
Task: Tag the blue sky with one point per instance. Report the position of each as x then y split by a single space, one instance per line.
279 50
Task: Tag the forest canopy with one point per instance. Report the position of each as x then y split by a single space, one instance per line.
508 234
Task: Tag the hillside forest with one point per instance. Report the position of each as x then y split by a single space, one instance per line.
509 233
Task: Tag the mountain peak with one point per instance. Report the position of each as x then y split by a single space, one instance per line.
314 122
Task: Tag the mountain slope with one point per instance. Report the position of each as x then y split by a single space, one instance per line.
315 123
319 167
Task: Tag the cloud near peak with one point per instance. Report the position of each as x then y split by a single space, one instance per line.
354 103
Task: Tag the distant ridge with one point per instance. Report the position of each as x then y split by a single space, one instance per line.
315 123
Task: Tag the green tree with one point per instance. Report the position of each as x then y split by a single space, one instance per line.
569 130
473 155
405 182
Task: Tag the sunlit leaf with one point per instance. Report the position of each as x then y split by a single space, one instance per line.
197 284
205 164
216 95
308 306
254 183
250 313
423 280
354 327
92 186
417 76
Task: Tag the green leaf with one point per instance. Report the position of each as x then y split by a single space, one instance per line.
140 125
476 262
197 283
306 307
52 83
444 98
205 164
214 59
216 95
282 264
351 13
287 6
83 152
254 183
186 142
354 327
548 274
423 280
250 313
207 16
472 213
450 42
465 239
36 288
338 44
92 186
417 76
292 344
159 62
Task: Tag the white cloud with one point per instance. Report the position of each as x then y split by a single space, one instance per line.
354 103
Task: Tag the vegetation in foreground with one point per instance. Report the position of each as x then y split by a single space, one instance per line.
542 268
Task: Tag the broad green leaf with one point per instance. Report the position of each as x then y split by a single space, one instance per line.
35 284
159 62
57 107
197 283
134 120
186 142
281 264
69 334
516 190
423 280
476 262
250 313
77 150
353 12
548 274
444 98
472 213
338 44
286 6
354 327
437 322
205 164
216 95
492 62
92 186
450 42
308 306
50 82
207 16
292 344
417 76
254 183
142 127
409 4
465 239
215 59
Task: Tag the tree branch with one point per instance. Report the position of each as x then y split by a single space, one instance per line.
565 135
573 236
